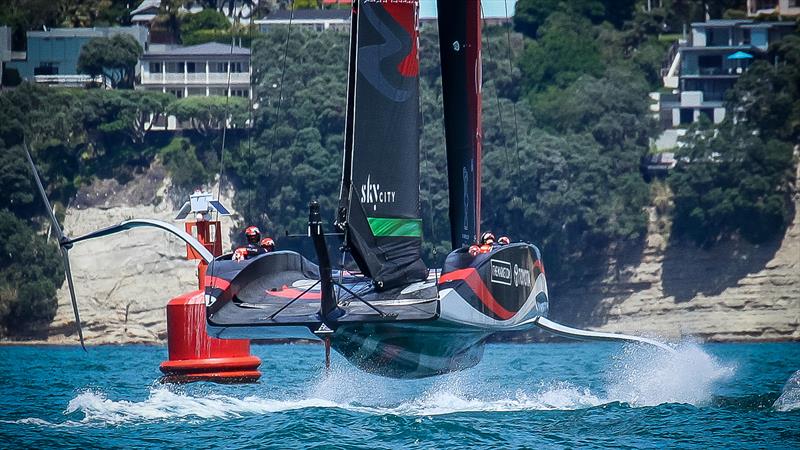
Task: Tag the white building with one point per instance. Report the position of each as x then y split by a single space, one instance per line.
205 69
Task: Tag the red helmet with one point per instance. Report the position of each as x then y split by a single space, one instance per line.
474 250
253 234
268 244
504 240
487 238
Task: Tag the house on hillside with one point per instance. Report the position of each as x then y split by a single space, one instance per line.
145 13
702 69
311 19
770 7
52 55
205 69
210 69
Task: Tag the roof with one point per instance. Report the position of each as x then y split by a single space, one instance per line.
308 14
721 23
84 32
207 49
143 18
145 5
791 24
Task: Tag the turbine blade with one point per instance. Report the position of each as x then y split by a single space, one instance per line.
68 274
59 232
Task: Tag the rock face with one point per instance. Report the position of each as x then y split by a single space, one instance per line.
124 281
735 291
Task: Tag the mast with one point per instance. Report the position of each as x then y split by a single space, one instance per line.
379 197
347 160
460 49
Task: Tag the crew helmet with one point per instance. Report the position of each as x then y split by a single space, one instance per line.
487 238
253 235
268 244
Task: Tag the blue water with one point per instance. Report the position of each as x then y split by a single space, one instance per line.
533 396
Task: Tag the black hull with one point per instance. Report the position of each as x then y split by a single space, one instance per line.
410 350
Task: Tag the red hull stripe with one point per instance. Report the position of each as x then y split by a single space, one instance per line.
473 280
292 293
216 282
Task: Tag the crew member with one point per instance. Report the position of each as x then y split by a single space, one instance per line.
487 241
268 244
253 247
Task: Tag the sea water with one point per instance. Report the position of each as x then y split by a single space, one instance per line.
521 396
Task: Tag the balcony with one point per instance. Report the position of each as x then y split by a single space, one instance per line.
194 78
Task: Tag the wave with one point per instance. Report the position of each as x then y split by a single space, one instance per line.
789 399
638 377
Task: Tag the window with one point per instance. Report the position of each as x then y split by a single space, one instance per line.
176 92
236 67
46 69
240 93
709 64
746 36
155 67
687 115
190 67
222 67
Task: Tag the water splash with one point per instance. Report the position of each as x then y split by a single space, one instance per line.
163 403
639 376
643 376
790 396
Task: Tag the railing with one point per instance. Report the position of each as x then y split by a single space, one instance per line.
194 78
667 62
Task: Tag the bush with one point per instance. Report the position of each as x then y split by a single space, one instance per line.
733 183
11 77
185 168
30 273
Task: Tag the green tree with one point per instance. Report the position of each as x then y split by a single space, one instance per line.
206 114
565 50
185 168
131 113
114 57
732 183
203 26
30 273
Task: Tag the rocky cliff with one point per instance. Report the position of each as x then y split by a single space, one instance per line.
124 281
734 291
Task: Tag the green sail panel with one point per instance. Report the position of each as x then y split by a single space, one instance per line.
386 227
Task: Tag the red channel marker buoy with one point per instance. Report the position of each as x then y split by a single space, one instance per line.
193 354
196 356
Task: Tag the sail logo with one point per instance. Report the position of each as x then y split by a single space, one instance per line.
522 277
501 272
371 193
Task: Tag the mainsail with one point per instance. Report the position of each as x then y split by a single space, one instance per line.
460 47
380 185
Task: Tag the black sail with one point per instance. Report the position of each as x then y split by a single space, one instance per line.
460 48
381 187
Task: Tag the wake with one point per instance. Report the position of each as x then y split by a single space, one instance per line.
639 377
